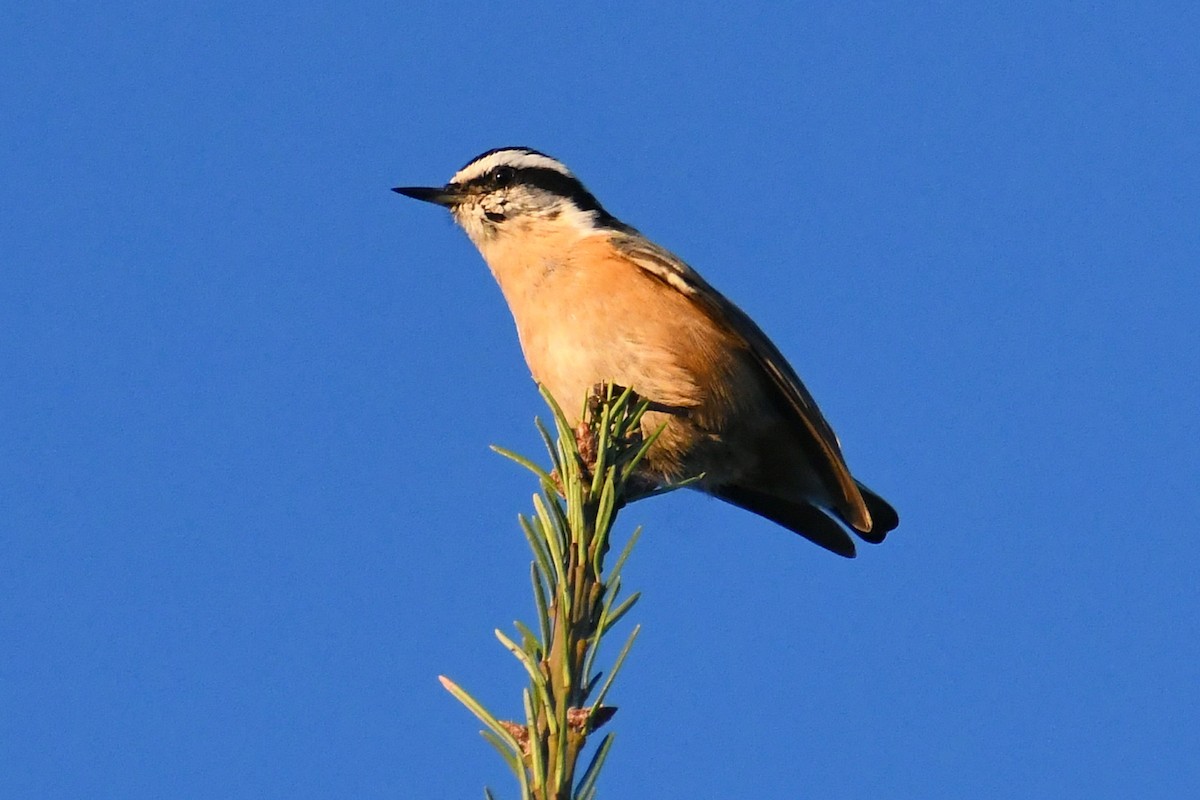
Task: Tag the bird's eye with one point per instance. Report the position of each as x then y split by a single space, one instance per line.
503 176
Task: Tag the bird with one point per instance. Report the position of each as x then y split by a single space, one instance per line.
596 302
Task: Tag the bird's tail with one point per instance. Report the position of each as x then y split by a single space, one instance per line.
883 517
814 523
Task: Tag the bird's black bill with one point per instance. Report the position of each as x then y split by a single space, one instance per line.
430 194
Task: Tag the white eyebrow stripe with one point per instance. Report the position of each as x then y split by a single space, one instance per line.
517 159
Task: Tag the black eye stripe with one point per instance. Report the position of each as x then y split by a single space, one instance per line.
550 181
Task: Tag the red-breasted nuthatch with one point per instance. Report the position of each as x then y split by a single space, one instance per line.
596 302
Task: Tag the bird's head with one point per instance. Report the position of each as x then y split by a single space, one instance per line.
513 191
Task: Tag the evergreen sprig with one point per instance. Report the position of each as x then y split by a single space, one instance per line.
594 474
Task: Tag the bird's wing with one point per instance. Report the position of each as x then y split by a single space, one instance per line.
821 442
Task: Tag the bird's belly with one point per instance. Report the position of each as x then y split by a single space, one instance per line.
570 365
575 360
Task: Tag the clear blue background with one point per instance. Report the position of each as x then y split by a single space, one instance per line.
247 509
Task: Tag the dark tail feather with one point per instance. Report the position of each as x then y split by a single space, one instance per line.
807 520
883 517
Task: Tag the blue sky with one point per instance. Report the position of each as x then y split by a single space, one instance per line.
247 507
